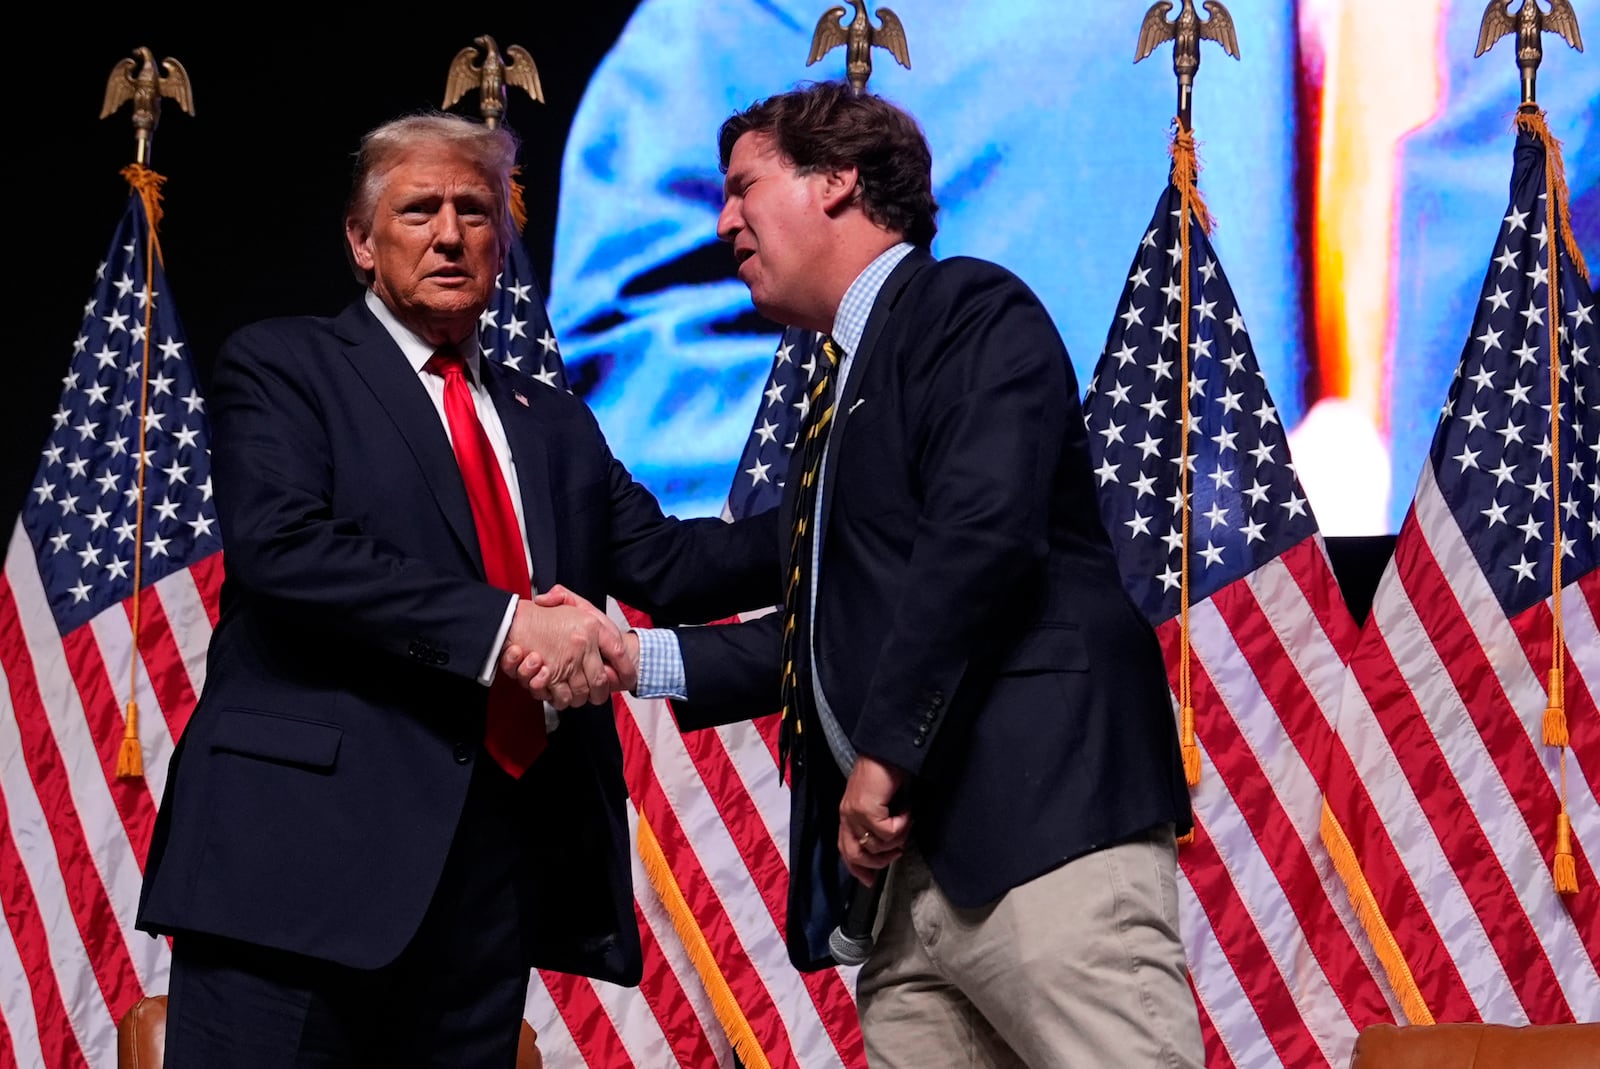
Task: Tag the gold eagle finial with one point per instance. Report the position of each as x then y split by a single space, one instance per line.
859 37
1530 25
491 77
140 83
1186 32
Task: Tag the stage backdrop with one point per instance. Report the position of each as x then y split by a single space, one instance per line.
1355 161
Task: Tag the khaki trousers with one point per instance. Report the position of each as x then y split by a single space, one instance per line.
1082 967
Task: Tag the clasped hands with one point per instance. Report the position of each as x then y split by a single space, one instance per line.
567 652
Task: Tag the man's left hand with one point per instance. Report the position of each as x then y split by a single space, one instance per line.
871 834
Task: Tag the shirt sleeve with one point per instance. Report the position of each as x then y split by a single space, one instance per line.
490 665
661 672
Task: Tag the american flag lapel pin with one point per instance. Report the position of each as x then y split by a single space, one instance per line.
521 400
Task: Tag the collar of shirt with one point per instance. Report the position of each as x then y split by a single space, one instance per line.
850 321
417 351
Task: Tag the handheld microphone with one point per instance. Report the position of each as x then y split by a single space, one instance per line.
851 942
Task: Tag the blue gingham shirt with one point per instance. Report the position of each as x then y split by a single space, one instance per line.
661 673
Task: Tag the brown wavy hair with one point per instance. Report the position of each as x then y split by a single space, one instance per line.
825 125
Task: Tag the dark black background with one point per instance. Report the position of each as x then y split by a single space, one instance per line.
256 179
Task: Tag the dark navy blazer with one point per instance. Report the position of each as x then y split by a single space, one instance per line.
970 622
319 783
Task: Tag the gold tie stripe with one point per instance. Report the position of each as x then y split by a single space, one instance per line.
820 416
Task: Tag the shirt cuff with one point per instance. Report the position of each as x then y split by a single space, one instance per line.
660 665
490 666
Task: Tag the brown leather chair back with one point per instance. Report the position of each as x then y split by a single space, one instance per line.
142 1038
1477 1046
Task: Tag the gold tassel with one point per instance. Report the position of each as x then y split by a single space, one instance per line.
1555 714
1191 749
130 758
1565 869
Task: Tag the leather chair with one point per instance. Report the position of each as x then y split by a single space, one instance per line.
142 1038
1477 1046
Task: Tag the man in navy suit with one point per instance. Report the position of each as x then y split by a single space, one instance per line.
367 838
969 696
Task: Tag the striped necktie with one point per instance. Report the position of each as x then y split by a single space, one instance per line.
812 446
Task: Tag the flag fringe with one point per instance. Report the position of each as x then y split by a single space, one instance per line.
147 184
1186 174
1372 921
1531 119
518 206
723 1003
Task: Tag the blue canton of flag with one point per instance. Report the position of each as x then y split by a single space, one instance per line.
1247 505
515 328
764 464
84 510
1492 454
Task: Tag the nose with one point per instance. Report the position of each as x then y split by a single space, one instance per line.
447 228
730 221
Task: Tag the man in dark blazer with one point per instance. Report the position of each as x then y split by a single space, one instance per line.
968 693
350 878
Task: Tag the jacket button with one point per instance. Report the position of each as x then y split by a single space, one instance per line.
462 753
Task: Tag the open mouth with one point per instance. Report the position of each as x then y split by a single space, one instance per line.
741 255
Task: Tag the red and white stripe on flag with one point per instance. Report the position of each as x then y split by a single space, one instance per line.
1450 796
1444 815
710 816
73 836
1280 966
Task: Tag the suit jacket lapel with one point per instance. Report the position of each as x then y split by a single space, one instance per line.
882 308
390 377
532 461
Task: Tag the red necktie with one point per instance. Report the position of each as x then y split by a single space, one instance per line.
514 735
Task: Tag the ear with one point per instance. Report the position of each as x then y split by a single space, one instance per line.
840 189
360 247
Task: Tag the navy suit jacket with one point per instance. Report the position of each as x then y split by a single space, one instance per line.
319 783
971 626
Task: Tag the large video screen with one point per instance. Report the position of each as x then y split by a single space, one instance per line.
1356 160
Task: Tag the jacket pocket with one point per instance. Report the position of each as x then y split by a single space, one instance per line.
1048 648
312 744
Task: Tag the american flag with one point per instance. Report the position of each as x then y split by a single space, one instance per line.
718 812
1279 964
122 495
709 815
1445 787
515 328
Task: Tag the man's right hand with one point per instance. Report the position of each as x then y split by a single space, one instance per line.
579 646
566 651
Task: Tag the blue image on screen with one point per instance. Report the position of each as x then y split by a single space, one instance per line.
1050 151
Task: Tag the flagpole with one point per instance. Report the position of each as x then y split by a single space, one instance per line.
144 87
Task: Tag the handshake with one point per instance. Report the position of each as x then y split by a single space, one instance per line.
565 651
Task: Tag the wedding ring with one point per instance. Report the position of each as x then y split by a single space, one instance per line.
866 836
